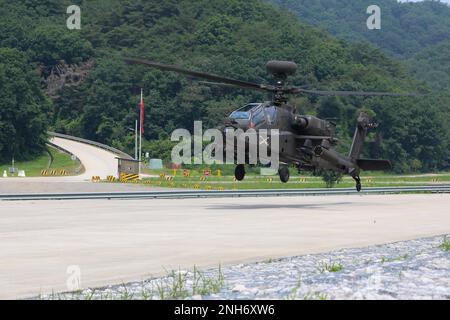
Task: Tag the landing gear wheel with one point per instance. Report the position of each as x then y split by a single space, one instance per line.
284 174
239 172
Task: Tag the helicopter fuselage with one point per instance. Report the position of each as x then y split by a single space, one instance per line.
305 141
298 134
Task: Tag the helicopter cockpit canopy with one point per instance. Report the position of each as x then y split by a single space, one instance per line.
254 114
244 113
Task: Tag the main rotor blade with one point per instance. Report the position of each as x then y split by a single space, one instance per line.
227 85
208 76
352 93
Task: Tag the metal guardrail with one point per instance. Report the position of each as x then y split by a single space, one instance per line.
222 194
92 143
51 144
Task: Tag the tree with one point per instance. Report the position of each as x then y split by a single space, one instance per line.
24 110
233 38
331 178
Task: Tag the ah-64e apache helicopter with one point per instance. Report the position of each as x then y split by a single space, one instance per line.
306 141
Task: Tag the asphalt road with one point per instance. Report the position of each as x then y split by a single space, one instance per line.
66 185
115 241
96 161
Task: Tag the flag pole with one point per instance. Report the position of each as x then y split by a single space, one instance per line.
136 141
140 132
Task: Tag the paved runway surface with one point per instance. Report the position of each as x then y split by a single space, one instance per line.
118 241
54 185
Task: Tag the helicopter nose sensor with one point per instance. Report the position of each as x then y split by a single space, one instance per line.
281 69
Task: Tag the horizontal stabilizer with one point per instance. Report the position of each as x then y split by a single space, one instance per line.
374 165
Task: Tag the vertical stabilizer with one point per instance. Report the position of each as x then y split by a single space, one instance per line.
359 136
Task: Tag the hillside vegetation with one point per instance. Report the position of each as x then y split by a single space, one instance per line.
415 32
227 37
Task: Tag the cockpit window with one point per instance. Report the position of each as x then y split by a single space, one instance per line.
271 113
244 113
249 107
258 117
240 115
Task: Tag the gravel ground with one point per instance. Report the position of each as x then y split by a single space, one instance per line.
416 269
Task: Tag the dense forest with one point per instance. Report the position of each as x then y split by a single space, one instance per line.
93 92
417 33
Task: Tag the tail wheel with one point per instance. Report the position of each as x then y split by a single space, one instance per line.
239 172
284 174
358 183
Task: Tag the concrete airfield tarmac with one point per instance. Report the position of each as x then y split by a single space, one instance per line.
116 241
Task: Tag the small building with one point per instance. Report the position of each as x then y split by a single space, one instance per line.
127 166
155 164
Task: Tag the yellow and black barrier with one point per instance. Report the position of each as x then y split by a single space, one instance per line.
111 179
95 179
129 177
53 172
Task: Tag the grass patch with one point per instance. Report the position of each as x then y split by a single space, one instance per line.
330 266
401 258
305 181
445 245
294 292
175 285
307 296
33 168
315 296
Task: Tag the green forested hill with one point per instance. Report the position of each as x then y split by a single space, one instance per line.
406 28
24 109
433 65
417 32
229 37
